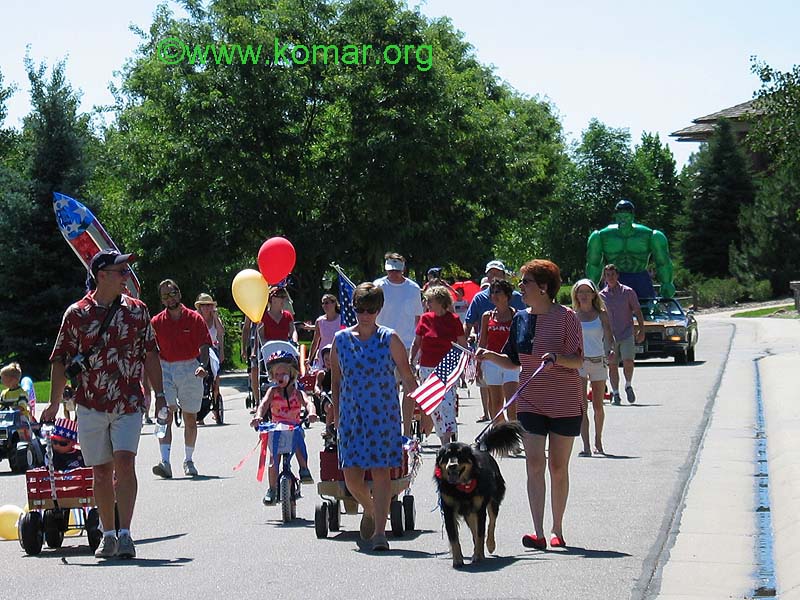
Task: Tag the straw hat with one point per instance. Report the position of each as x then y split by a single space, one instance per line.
204 299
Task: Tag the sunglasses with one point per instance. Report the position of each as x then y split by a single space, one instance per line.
62 442
524 281
172 294
122 272
370 311
324 302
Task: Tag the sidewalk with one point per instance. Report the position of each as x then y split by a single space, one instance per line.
715 535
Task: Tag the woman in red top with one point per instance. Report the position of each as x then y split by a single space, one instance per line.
437 329
277 323
495 326
551 405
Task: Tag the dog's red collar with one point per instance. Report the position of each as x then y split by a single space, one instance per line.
467 488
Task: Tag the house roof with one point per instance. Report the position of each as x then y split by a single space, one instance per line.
704 126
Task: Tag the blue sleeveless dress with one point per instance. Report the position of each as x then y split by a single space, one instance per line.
370 430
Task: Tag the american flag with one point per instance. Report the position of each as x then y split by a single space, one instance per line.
67 429
431 393
346 289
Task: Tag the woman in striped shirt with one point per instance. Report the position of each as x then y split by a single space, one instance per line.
551 405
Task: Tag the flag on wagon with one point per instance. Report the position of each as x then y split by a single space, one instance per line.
346 289
65 429
430 394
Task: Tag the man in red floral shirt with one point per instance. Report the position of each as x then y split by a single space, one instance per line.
183 342
108 391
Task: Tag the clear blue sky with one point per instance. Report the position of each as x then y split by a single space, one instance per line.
641 65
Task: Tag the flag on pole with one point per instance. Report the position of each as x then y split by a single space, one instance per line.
431 393
346 289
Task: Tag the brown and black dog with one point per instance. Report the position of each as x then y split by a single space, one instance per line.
470 484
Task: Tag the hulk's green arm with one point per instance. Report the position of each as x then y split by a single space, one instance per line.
663 263
594 257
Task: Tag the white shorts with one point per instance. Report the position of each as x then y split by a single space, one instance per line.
595 371
181 386
100 434
444 417
494 375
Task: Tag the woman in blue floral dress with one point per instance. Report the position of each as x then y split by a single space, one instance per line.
367 408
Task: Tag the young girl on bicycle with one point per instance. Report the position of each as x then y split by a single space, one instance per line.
284 403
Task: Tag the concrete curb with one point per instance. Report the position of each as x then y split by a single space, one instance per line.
782 412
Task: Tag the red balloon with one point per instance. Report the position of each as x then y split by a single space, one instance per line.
276 259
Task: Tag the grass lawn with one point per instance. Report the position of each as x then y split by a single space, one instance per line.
784 312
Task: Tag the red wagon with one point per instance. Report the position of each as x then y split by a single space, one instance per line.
335 495
51 498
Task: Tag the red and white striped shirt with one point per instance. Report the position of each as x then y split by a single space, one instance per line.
557 392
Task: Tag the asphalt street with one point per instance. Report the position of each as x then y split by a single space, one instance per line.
212 535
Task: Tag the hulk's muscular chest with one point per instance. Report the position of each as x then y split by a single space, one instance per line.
629 252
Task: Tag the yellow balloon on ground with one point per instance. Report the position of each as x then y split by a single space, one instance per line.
9 515
250 292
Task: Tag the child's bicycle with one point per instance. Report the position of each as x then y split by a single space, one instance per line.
283 439
52 496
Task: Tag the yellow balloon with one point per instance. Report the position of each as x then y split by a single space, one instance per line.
9 515
251 292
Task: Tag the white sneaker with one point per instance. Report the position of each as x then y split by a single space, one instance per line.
163 469
107 547
125 547
189 469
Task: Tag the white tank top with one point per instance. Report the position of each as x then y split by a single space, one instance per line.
593 338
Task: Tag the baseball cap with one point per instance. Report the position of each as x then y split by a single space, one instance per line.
485 282
393 264
495 264
106 258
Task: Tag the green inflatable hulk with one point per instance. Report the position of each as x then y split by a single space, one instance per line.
629 246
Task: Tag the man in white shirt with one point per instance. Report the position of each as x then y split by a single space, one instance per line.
402 307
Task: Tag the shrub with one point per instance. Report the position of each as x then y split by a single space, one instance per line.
717 292
760 291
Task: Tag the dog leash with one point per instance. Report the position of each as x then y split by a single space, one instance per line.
510 401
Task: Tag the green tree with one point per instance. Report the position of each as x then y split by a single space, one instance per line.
657 193
770 231
721 188
346 161
40 276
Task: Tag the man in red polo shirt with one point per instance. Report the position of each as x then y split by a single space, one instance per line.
183 342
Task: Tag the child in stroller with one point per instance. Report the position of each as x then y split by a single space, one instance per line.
283 403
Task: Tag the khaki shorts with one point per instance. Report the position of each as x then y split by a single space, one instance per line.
624 349
593 369
181 386
100 434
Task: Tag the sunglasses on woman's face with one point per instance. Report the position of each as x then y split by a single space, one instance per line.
370 311
324 302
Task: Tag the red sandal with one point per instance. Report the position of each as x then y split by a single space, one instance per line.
557 542
532 541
